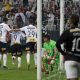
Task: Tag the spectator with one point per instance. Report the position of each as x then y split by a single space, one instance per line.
7 7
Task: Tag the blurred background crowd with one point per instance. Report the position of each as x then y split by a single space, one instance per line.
51 11
19 12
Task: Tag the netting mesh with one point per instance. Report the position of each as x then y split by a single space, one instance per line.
51 13
71 7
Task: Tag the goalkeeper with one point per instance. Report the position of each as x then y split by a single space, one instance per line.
50 53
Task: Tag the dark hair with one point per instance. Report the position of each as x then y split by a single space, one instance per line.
74 19
47 36
5 19
30 21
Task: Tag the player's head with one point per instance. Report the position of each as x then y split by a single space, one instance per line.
5 19
74 19
46 38
30 21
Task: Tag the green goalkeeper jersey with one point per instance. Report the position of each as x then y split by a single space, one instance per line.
49 47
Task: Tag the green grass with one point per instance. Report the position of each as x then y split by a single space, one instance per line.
23 74
56 74
15 74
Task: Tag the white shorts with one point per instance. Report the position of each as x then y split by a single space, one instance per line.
72 69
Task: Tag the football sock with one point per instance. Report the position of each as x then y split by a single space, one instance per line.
35 58
13 59
28 58
4 59
19 62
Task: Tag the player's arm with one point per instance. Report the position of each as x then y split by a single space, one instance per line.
61 41
45 50
8 28
55 53
18 29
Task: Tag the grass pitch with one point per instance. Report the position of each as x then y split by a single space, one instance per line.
13 73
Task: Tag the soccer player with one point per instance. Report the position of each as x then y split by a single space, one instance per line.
31 38
16 47
4 29
50 51
71 48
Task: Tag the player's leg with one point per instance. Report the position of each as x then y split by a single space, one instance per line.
4 60
19 59
34 50
45 63
28 54
35 60
13 53
28 59
19 54
71 68
4 51
13 58
42 57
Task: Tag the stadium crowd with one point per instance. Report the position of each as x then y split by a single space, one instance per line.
50 13
18 14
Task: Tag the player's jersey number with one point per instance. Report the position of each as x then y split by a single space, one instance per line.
76 43
15 37
31 33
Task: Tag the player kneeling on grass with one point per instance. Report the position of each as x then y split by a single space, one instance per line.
16 47
50 52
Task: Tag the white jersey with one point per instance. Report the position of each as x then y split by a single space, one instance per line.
4 28
15 37
31 33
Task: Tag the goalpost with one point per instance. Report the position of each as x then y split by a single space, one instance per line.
61 29
39 38
39 35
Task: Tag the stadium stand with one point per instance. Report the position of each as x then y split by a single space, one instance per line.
50 11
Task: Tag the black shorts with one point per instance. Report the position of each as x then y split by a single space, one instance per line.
16 48
3 47
30 46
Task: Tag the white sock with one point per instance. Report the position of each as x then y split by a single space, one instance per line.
28 58
19 62
0 57
4 59
13 59
35 58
